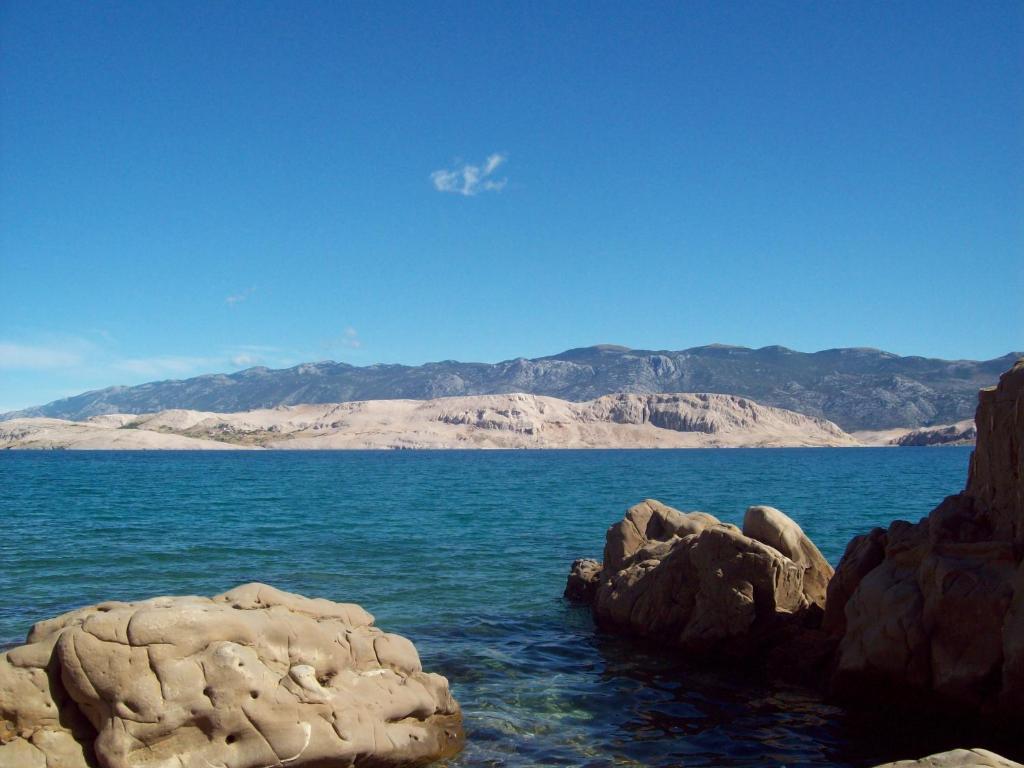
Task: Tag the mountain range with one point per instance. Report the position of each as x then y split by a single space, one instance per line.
857 388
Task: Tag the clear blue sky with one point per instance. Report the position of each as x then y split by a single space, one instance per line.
197 187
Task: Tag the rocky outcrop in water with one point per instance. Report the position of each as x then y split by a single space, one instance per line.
702 585
933 612
252 678
929 615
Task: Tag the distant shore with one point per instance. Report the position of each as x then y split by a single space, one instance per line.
512 421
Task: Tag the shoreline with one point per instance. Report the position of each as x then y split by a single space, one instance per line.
492 422
481 449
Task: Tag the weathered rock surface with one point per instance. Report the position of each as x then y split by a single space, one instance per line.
251 678
957 758
770 526
689 580
933 612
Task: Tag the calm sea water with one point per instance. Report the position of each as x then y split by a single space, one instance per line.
466 553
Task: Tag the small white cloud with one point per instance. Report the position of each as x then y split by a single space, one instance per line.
238 298
470 180
244 360
349 339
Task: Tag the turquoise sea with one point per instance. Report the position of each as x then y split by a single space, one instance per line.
466 553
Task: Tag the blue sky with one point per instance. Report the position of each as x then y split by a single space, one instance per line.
198 187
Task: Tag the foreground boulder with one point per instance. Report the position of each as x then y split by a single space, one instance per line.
251 678
933 612
699 584
957 758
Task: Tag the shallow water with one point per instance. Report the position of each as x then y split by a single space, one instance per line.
466 553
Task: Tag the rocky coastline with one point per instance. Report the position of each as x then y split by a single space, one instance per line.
925 617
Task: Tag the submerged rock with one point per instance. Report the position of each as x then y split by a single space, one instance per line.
699 584
253 677
933 612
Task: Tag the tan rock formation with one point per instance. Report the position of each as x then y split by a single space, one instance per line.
769 525
930 614
251 678
584 577
694 582
934 611
957 758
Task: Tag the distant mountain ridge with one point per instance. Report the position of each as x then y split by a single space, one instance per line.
857 388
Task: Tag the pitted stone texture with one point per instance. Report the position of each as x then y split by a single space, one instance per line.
254 677
694 582
39 724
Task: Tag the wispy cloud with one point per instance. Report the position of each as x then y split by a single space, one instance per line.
238 298
28 357
165 365
470 180
40 367
81 355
